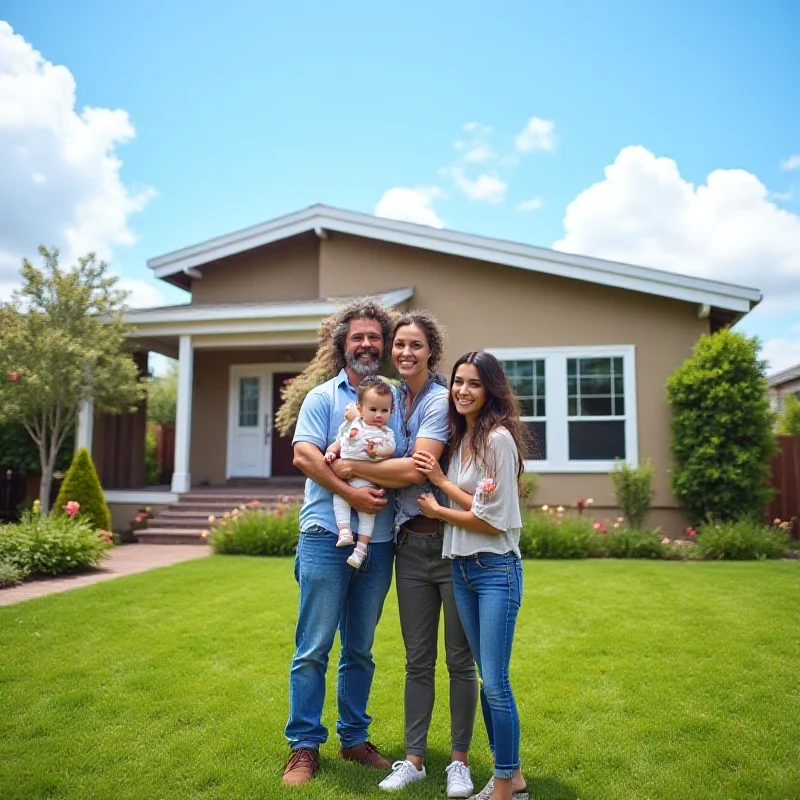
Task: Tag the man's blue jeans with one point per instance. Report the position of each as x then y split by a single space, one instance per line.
488 591
334 596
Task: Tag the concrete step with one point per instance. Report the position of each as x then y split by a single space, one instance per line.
238 499
167 536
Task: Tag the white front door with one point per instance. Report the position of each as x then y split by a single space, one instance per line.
250 422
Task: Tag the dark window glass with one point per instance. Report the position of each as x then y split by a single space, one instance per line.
596 441
536 449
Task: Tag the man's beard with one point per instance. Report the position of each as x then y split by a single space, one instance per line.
364 368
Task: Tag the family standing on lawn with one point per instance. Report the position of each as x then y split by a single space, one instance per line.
453 538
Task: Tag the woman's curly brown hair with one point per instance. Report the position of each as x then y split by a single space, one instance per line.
329 360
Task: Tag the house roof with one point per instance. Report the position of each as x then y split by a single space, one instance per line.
320 219
786 375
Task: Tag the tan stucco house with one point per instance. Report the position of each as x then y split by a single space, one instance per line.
782 385
588 343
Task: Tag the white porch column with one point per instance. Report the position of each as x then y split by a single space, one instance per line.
181 479
85 429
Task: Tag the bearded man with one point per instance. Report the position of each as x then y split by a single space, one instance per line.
332 594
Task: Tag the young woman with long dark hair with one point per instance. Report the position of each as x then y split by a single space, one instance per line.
481 536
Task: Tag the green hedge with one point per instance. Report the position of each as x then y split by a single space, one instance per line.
256 532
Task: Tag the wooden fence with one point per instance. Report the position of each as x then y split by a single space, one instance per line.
785 504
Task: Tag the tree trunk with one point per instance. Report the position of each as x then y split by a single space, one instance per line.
44 489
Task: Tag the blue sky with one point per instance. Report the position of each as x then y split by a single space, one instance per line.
244 111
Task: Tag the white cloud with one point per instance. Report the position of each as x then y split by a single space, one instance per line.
538 134
487 186
60 181
534 204
782 353
793 162
479 153
141 294
644 212
410 205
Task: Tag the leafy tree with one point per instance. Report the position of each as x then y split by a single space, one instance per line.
789 421
162 397
722 429
19 452
62 342
82 485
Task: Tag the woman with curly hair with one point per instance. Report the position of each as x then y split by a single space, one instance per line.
424 577
483 521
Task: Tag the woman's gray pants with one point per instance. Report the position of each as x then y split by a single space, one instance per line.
424 586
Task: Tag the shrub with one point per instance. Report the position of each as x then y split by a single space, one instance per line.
632 543
152 470
530 486
722 437
10 574
82 486
789 421
545 536
256 531
53 544
741 540
633 488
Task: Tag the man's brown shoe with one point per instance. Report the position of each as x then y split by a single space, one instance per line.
366 754
301 767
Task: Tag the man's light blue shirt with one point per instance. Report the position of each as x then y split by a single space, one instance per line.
320 416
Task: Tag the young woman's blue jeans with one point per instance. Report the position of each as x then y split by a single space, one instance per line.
488 591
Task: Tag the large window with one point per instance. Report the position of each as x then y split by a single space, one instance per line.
579 404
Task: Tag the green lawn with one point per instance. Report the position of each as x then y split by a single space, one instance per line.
634 679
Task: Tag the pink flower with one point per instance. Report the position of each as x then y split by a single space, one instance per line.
71 508
691 532
599 527
486 487
14 376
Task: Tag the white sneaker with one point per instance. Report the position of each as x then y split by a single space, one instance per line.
459 780
404 773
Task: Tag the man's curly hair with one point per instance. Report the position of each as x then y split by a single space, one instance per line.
329 360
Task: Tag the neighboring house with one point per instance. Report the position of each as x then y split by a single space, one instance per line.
588 344
781 385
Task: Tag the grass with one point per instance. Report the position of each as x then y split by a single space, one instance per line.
635 680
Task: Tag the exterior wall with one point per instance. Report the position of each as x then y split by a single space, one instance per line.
211 392
286 270
777 394
486 306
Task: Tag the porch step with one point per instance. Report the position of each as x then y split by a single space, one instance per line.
185 522
171 536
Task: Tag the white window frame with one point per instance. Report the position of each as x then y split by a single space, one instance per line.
556 406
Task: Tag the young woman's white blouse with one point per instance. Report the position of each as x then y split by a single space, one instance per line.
499 507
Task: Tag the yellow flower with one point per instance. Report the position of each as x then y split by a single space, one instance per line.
560 510
212 519
204 534
544 508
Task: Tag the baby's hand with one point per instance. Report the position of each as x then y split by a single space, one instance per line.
330 458
350 412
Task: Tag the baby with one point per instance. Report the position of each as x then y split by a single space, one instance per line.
364 435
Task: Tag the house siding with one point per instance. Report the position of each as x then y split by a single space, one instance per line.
484 306
286 270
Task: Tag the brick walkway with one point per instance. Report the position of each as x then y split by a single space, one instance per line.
125 560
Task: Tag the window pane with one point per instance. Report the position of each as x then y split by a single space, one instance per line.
540 407
618 385
572 366
526 408
618 366
572 407
525 369
248 402
523 387
595 406
537 441
594 366
596 441
600 385
619 406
